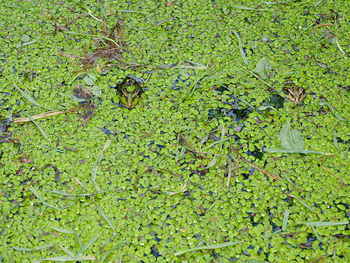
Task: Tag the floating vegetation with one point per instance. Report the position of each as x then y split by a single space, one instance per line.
214 151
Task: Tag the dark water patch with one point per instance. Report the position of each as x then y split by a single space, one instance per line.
155 252
276 101
107 131
3 102
235 114
177 83
258 154
5 135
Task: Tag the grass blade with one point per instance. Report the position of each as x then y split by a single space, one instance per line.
111 250
103 11
67 251
72 195
29 98
64 231
43 133
318 2
304 204
67 258
240 47
291 151
212 162
85 247
94 170
285 220
335 141
68 231
23 249
330 223
346 153
334 113
32 189
220 245
26 44
250 8
214 143
100 210
316 234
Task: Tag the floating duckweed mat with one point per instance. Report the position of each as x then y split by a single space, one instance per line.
236 150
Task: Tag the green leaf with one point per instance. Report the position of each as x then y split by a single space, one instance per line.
89 79
291 139
25 38
262 66
96 91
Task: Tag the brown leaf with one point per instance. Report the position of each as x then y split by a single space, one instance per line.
82 93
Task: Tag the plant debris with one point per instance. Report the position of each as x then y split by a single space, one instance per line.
111 46
82 93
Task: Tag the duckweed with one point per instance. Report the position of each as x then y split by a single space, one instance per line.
160 194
